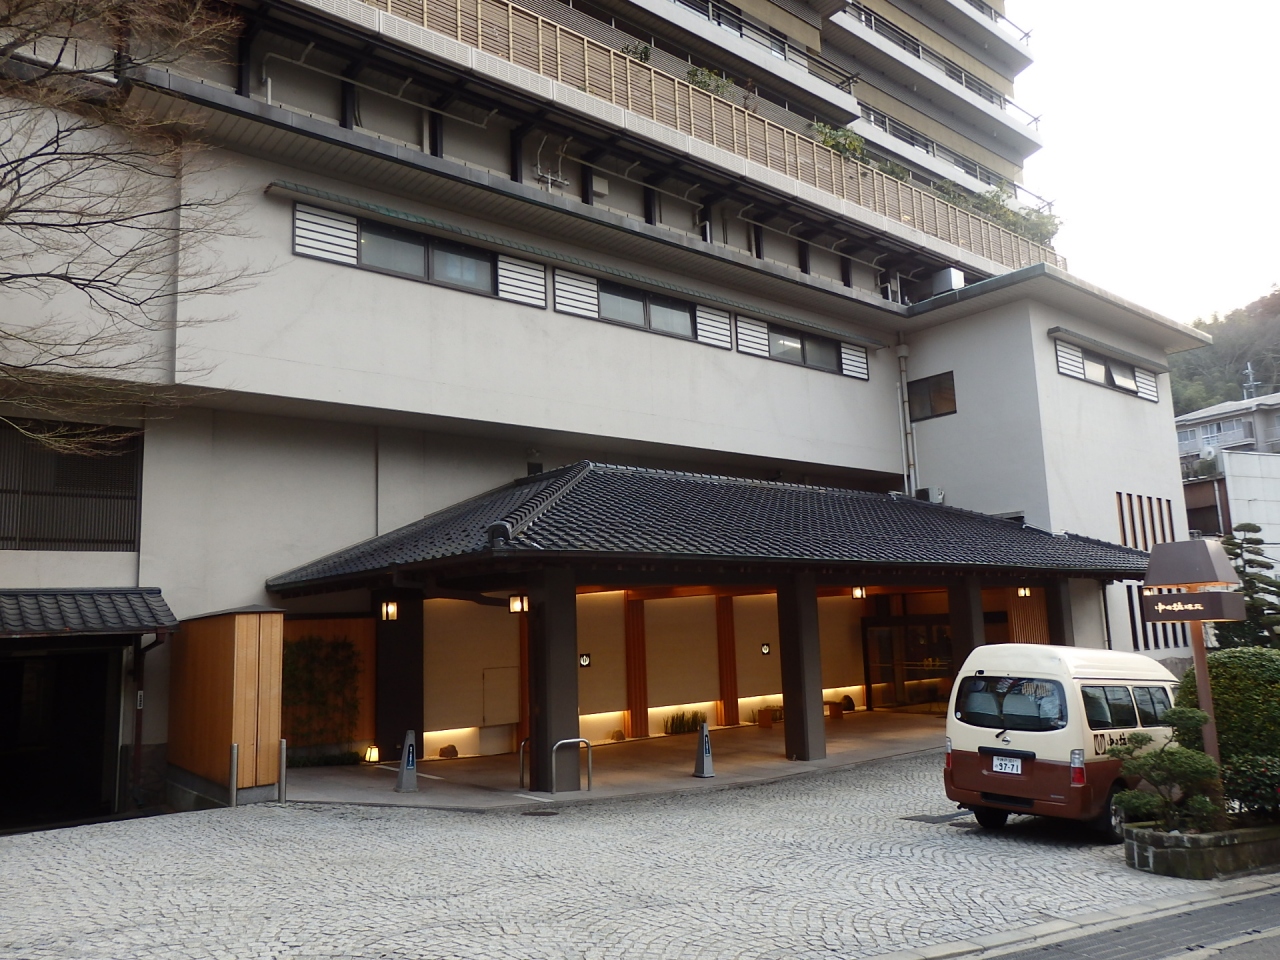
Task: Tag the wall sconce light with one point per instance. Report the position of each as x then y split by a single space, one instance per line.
1148 591
584 659
859 593
517 604
1024 591
389 610
371 753
765 648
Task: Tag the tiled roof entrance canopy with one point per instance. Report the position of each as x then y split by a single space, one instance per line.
70 613
594 510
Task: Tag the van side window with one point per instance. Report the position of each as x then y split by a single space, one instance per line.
1109 708
1152 704
1011 703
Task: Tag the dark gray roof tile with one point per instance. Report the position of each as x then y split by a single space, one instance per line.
108 610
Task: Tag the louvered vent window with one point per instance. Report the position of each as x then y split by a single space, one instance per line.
61 501
1077 362
806 349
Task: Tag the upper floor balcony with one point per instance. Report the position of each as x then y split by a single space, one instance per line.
626 79
922 73
1192 441
1001 41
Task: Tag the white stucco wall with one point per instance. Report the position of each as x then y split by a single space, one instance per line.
1253 494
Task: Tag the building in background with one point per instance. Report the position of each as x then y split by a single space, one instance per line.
505 239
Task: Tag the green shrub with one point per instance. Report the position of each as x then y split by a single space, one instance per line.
1186 783
346 758
320 699
713 81
683 722
1246 702
841 140
1254 783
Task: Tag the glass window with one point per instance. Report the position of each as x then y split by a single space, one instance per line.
821 353
1152 703
671 316
932 396
390 249
462 267
785 345
1109 708
1011 703
1095 367
621 303
1122 376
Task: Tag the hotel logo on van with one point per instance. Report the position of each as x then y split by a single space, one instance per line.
1179 607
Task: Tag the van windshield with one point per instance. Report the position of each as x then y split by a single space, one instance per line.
1011 703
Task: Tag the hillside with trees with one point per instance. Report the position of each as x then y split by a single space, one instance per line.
1216 373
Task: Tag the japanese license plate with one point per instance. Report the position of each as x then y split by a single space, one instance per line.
1006 765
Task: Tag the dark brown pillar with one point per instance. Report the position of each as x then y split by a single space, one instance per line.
1057 604
553 679
801 668
399 680
727 658
964 605
637 669
522 722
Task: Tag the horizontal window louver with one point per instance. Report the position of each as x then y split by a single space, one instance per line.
753 337
713 328
59 501
325 234
522 281
577 295
1147 388
1070 359
853 361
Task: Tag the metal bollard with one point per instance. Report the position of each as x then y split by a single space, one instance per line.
284 771
233 788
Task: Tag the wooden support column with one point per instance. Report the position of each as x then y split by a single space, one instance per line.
637 669
1057 602
964 606
522 721
727 658
553 679
399 672
801 668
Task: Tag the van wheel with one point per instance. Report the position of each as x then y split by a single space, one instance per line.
990 817
1110 822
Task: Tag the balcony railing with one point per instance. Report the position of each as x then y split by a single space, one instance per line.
899 37
1218 441
991 13
504 30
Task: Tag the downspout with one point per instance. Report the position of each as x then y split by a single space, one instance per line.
908 435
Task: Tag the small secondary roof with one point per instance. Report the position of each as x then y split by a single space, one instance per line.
84 612
616 512
1229 407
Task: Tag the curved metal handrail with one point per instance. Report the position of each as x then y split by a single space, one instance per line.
581 740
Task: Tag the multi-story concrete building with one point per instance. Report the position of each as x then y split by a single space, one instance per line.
499 237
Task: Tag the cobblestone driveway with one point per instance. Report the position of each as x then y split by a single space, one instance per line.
811 867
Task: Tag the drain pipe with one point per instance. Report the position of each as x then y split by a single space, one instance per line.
908 435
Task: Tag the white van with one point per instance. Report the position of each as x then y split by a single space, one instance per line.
1029 726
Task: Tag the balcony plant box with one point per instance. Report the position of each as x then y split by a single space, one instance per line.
1202 856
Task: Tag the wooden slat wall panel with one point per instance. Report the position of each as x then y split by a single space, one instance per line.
1028 617
244 698
270 650
201 664
506 30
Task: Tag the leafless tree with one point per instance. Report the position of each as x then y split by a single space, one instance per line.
99 240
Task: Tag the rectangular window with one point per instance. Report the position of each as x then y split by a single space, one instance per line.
1109 708
932 397
399 251
786 345
671 316
807 349
459 266
639 309
621 304
1152 703
1011 703
1075 361
1186 436
821 353
63 501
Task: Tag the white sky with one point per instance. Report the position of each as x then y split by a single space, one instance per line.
1161 123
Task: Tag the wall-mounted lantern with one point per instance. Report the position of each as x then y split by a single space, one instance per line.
389 610
859 593
584 659
764 649
1024 591
1193 566
517 603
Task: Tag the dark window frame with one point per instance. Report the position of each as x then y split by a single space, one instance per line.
805 339
647 300
1108 373
931 381
429 242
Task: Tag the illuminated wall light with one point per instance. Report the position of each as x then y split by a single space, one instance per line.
584 659
1024 591
371 753
859 593
517 604
765 649
390 610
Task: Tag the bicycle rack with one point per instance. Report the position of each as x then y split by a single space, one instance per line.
581 740
520 751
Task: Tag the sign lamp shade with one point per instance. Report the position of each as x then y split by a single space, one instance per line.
1192 564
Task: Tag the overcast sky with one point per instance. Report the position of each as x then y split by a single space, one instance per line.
1160 124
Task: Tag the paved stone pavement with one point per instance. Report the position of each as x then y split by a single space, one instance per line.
811 867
